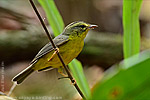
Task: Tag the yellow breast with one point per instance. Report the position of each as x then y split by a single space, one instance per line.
68 52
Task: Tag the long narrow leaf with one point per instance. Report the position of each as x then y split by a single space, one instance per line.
57 25
54 17
77 71
131 10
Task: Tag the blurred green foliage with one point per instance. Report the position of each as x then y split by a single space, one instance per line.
126 81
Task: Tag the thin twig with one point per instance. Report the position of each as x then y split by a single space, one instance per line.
12 88
54 46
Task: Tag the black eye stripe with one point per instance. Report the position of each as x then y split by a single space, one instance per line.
82 26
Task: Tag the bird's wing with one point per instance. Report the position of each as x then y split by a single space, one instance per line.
59 40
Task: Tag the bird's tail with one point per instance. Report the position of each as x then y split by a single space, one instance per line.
19 78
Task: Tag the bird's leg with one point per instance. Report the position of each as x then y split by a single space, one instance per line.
60 70
56 51
62 77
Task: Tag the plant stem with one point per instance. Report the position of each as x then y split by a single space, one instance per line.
54 46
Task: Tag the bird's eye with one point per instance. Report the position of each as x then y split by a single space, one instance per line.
82 26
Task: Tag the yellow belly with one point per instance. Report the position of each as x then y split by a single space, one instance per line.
68 52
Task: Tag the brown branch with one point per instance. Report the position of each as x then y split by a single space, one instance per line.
54 46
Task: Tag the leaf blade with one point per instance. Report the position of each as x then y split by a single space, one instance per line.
131 39
77 71
126 80
53 15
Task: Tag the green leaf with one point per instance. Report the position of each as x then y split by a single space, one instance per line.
57 25
126 81
76 68
131 10
53 15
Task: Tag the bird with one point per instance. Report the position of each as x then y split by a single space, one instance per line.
69 44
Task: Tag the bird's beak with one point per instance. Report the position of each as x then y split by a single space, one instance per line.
92 26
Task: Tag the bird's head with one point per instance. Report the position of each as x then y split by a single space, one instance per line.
78 29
